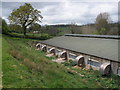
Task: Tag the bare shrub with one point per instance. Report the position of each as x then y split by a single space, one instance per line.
30 64
25 61
15 54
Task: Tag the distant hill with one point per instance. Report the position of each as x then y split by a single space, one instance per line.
84 29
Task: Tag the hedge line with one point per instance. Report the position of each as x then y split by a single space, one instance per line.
42 37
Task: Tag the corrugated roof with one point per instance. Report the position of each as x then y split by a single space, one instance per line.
100 47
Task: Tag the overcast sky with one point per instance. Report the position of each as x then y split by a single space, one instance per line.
67 11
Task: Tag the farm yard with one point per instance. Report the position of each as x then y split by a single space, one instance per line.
24 66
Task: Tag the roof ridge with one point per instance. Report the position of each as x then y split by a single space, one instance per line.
94 36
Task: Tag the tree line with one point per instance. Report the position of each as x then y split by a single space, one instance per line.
26 19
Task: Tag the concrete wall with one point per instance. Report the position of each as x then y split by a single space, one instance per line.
118 71
114 67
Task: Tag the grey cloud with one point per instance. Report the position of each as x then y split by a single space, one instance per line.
66 12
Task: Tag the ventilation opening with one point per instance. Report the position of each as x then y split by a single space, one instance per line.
44 48
80 61
105 69
63 55
38 46
52 50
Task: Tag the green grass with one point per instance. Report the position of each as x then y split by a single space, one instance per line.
20 74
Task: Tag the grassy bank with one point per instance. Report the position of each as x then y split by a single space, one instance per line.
23 66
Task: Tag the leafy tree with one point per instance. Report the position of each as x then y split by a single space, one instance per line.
15 28
0 25
102 23
25 16
5 29
51 30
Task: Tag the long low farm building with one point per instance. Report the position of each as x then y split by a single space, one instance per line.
97 51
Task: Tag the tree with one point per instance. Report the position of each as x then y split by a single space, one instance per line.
25 16
72 28
35 27
102 23
15 28
0 25
51 30
5 29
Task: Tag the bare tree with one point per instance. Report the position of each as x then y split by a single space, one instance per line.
102 23
72 27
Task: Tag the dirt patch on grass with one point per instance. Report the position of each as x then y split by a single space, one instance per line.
59 60
50 55
16 55
24 60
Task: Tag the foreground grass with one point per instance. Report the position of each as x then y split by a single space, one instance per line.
23 66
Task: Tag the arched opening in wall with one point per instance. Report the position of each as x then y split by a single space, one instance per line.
44 48
38 45
52 50
63 55
105 69
80 61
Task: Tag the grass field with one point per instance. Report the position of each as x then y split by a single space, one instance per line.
24 67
